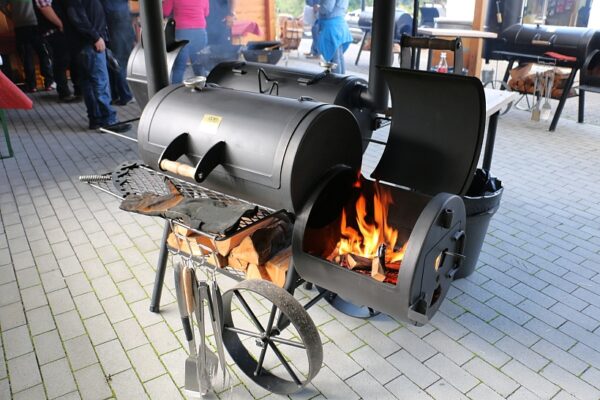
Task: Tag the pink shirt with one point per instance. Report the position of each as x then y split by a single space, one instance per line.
188 14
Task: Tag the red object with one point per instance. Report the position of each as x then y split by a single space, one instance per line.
11 97
560 57
242 28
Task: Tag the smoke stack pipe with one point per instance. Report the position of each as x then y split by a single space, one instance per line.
155 48
382 34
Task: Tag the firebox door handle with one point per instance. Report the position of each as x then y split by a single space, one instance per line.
459 257
536 41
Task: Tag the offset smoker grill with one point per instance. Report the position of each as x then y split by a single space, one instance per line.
304 157
575 48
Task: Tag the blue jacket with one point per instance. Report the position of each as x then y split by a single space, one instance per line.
332 8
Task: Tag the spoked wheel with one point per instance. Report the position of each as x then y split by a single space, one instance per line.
500 85
273 340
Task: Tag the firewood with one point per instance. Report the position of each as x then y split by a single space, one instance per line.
224 246
277 266
258 247
395 266
257 272
377 271
236 263
356 261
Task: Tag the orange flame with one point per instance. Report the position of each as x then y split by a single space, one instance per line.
366 242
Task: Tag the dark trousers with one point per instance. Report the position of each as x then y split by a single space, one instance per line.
122 37
28 40
60 62
95 87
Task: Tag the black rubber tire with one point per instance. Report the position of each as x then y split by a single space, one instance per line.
283 301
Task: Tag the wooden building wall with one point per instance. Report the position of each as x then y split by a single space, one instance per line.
263 13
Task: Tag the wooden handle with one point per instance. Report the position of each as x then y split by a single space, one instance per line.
188 289
178 168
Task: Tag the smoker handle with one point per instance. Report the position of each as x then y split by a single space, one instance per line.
178 168
537 42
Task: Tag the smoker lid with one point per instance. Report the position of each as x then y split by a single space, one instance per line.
436 133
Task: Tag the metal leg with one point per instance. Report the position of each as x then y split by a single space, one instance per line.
161 268
581 113
563 99
508 68
489 142
360 49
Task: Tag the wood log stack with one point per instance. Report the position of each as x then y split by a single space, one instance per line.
522 80
262 250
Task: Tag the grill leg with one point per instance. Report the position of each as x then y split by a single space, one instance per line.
563 99
507 72
161 268
581 113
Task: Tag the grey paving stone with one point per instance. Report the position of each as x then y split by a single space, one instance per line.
413 369
88 305
483 392
99 329
145 362
24 372
52 280
449 326
528 378
410 342
570 383
575 331
332 387
131 290
560 357
443 390
9 293
12 316
375 365
404 389
575 316
40 320
127 385
362 383
473 290
503 292
382 344
161 338
162 388
28 277
451 372
48 347
586 354
60 301
484 350
130 333
545 315
552 335
492 377
522 353
116 309
342 337
508 310
69 325
92 383
172 362
58 378
450 348
592 376
80 352
112 357
475 307
345 365
16 342
144 318
104 287
515 331
33 297
33 393
479 327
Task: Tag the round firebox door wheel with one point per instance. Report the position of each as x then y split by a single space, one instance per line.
273 339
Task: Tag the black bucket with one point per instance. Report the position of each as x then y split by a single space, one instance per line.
481 203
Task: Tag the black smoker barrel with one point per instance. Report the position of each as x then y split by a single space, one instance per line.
341 90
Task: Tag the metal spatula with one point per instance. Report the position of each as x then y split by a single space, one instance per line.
535 113
547 108
207 360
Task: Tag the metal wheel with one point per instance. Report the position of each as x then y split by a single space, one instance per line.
499 85
273 340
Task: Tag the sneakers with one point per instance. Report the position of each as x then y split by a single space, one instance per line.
118 127
68 99
122 102
311 55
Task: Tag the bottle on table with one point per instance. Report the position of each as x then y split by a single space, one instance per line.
443 64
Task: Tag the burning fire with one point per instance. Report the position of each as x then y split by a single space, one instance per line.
372 234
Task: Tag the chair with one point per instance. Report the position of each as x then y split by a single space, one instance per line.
12 98
408 43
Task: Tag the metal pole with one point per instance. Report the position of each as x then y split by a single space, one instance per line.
382 34
415 27
155 49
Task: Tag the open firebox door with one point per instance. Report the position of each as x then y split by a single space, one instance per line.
395 244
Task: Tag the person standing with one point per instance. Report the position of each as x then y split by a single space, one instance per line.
121 42
219 21
334 35
51 27
28 40
89 25
190 24
314 30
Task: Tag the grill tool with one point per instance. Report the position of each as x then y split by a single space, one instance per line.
535 112
547 108
207 360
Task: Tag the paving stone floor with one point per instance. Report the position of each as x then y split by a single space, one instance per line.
76 274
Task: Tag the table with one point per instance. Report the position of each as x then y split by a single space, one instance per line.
495 100
463 33
242 28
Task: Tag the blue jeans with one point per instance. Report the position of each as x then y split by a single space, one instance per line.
338 58
121 42
314 48
196 41
95 87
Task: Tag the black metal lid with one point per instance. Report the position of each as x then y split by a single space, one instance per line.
437 130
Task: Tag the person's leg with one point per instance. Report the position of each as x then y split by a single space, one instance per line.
123 37
101 88
60 58
41 49
26 55
180 63
314 48
85 64
197 43
338 59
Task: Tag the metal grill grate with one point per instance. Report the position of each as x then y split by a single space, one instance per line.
135 178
